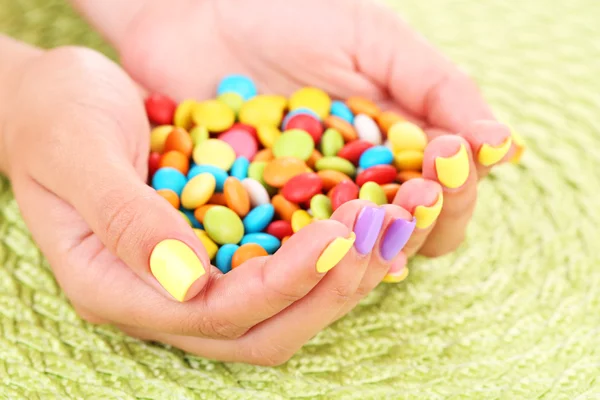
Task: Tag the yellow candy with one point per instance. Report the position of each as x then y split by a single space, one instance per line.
268 135
233 101
409 159
198 190
214 152
183 114
407 136
158 136
312 98
215 115
209 245
263 110
300 218
199 134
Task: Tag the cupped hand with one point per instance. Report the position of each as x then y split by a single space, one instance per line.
77 146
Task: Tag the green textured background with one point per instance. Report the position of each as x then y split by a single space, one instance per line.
515 313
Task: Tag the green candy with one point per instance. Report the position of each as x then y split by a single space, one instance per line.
337 164
255 171
199 134
294 143
233 100
371 191
331 142
223 225
320 205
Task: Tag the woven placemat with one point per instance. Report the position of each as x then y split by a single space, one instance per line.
515 313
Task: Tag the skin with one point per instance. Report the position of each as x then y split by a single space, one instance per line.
81 165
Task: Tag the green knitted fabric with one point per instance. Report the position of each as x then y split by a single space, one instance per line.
514 313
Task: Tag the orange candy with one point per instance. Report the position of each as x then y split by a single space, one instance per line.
314 157
390 190
360 105
245 253
407 175
180 141
170 196
388 118
277 172
283 207
285 239
342 126
217 199
175 159
263 155
236 196
201 211
331 178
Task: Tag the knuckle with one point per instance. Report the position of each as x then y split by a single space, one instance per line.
276 298
215 328
119 213
341 294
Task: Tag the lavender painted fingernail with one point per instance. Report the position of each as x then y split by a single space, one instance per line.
395 237
367 227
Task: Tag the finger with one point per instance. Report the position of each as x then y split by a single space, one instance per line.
424 199
490 141
448 161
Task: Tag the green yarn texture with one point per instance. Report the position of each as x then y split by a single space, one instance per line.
513 314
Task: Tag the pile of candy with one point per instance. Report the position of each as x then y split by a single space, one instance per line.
248 171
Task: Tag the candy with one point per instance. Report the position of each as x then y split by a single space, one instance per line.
342 193
314 157
214 152
258 219
170 196
223 225
210 246
198 190
264 155
268 242
248 128
218 199
302 187
407 136
300 219
336 164
371 191
281 170
215 115
283 207
390 190
307 123
280 229
409 159
256 192
175 159
312 98
360 105
239 169
200 212
256 172
342 126
169 178
263 110
380 174
153 164
341 110
268 135
236 197
238 84
242 142
158 137
219 175
386 119
179 140
404 176
232 100
160 109
294 143
377 155
224 257
331 178
191 219
199 134
247 252
298 111
183 114
354 150
367 129
320 206
332 142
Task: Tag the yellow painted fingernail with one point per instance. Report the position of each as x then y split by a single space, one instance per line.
490 155
175 266
398 277
519 144
453 171
427 215
334 252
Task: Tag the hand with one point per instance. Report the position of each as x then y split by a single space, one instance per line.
77 145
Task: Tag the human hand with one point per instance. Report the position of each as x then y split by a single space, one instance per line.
76 143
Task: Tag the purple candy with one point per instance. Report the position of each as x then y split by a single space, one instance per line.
395 237
367 227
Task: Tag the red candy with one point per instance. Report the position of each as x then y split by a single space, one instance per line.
308 124
280 229
153 164
241 141
302 187
353 150
248 128
380 174
344 191
160 109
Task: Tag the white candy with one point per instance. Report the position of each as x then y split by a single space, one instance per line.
257 192
367 129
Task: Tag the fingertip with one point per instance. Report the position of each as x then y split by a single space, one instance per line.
490 141
449 161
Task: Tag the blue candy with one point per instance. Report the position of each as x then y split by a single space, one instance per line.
341 110
190 214
296 112
239 84
169 178
268 242
239 169
218 173
258 219
376 155
224 256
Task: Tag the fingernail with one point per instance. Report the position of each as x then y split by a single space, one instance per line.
490 155
367 227
175 266
395 238
334 252
519 144
395 277
453 171
426 216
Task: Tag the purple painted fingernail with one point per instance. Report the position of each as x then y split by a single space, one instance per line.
395 237
367 227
